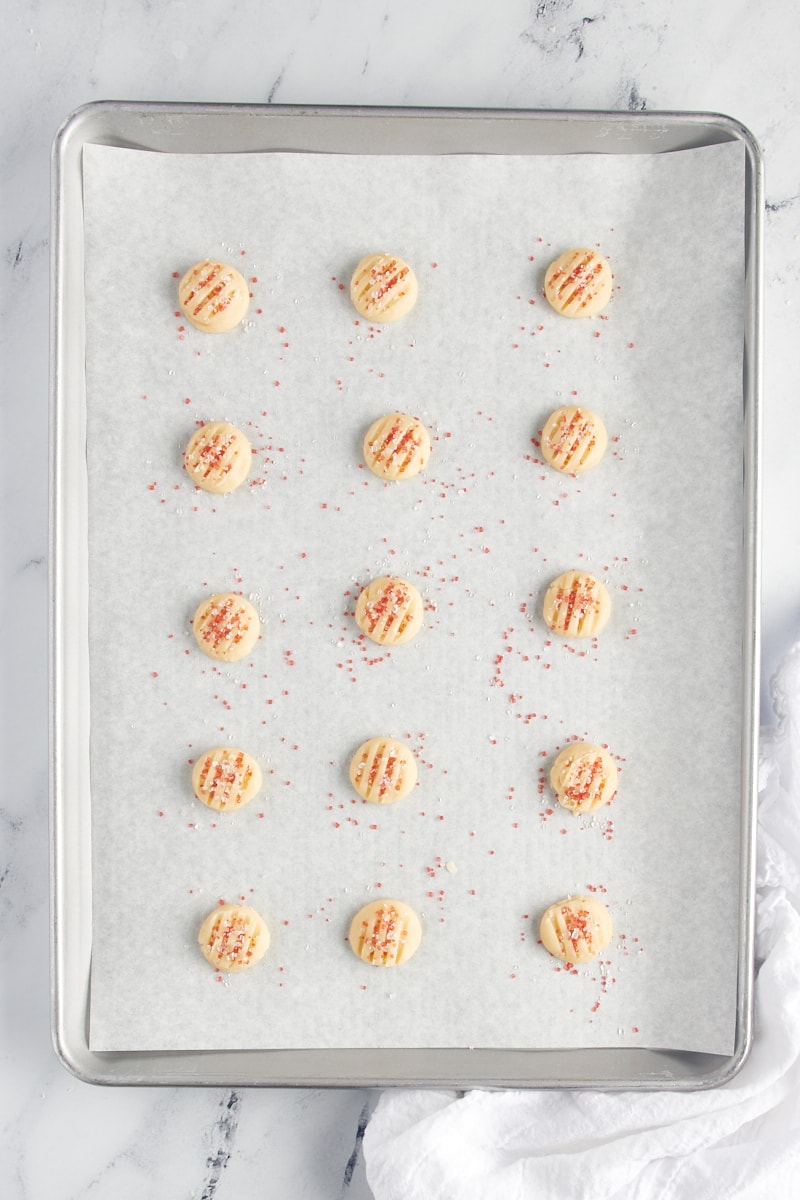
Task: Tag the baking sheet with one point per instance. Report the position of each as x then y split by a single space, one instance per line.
482 360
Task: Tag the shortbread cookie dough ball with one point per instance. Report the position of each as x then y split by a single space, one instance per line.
578 283
389 610
576 605
225 778
218 457
385 933
383 770
577 929
573 439
226 626
233 937
583 777
213 296
383 288
397 446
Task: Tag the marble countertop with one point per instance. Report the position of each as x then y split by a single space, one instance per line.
68 1139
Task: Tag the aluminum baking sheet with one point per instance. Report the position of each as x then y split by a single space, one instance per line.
120 739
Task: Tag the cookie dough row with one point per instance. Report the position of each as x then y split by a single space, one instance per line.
214 297
387 933
397 446
390 610
383 770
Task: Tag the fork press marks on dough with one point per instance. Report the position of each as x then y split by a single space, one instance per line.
389 610
385 933
576 929
578 283
583 777
233 937
213 296
225 778
573 439
383 770
226 626
383 288
576 605
218 457
397 446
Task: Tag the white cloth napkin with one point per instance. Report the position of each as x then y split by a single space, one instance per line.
741 1140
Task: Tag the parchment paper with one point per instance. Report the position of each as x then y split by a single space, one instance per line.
484 694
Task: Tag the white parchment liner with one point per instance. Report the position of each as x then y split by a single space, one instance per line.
484 695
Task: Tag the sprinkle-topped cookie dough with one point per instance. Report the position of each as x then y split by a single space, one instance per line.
577 929
383 288
576 605
218 457
226 626
578 283
233 937
397 446
213 296
583 777
383 770
225 778
389 610
573 439
385 933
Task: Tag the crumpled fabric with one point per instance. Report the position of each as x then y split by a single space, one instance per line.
740 1141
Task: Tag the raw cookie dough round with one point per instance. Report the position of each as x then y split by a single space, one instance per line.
213 296
233 937
226 626
383 770
573 439
397 446
576 929
385 933
576 605
383 288
225 778
389 610
583 777
218 457
578 283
